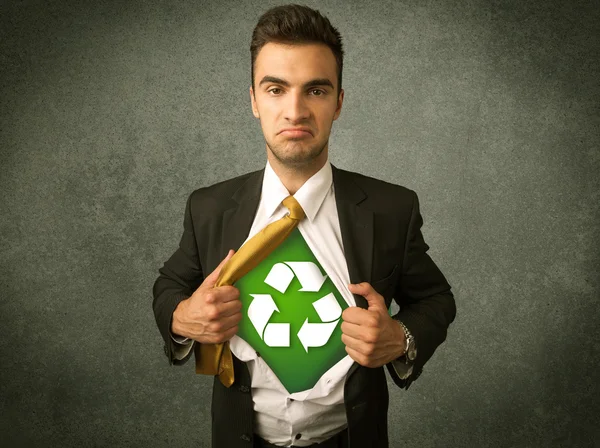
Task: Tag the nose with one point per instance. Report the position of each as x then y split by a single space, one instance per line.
296 108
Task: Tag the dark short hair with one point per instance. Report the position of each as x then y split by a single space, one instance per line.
296 24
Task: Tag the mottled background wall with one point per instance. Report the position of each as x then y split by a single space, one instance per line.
112 112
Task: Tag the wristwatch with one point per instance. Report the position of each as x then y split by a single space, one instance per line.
411 348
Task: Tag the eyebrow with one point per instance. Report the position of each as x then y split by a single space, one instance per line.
283 82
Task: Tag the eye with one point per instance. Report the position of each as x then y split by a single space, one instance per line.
321 92
273 90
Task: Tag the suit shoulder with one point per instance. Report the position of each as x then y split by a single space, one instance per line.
379 188
221 192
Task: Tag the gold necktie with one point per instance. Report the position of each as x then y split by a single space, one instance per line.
216 359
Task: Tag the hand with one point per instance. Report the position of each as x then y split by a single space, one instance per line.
211 314
371 336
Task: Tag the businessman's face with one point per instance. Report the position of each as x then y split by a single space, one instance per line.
296 87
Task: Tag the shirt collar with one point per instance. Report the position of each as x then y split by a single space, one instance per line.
310 196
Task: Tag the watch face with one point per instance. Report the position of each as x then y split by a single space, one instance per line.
411 352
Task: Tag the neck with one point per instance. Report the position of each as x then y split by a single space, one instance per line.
293 177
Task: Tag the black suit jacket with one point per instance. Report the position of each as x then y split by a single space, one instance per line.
381 232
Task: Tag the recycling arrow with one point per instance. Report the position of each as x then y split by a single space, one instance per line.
317 334
259 312
280 276
309 275
328 308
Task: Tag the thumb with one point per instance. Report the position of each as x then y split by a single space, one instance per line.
214 275
374 299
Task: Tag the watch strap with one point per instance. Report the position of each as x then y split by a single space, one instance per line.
409 339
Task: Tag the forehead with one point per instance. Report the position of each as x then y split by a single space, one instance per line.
296 62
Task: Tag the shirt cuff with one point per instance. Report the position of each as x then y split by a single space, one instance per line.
402 369
179 339
183 346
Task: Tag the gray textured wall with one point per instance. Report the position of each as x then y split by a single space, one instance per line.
113 112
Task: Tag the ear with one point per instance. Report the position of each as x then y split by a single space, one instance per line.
338 111
253 102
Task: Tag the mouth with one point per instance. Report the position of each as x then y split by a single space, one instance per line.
296 133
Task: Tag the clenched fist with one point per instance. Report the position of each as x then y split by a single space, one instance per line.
211 314
371 336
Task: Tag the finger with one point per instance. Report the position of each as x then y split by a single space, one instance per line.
363 360
352 330
356 356
229 308
225 294
375 300
218 338
211 279
366 290
223 325
361 347
357 315
230 333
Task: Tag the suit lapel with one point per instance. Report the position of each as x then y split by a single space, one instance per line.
237 220
356 226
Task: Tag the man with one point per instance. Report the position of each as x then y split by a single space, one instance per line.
363 231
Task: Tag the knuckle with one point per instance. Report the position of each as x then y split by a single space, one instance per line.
201 329
212 313
209 297
235 292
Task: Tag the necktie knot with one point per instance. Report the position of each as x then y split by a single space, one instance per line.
294 207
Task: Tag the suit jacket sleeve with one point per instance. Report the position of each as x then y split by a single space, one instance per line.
179 277
426 303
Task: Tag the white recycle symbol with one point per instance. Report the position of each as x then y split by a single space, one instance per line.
262 307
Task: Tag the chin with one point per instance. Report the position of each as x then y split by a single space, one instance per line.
296 158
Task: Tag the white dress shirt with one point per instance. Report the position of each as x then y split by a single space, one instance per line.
314 415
